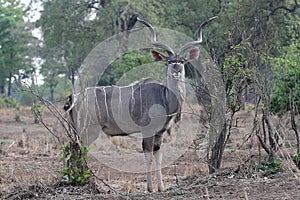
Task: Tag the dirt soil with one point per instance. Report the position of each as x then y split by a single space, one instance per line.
30 164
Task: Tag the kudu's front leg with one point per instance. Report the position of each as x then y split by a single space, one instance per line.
158 160
148 143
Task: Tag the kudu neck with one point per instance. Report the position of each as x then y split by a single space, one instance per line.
177 85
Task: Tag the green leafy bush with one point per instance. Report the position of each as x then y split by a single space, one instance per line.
272 166
296 159
118 71
8 102
287 80
17 116
37 111
76 170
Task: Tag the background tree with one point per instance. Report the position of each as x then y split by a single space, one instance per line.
68 37
14 36
261 29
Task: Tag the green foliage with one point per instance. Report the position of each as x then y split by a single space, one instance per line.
24 98
176 190
68 37
238 74
296 159
76 170
250 109
119 69
14 37
58 87
270 167
70 32
18 115
8 102
287 80
37 109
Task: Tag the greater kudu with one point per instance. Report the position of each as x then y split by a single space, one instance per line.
146 106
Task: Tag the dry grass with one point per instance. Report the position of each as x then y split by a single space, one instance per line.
30 156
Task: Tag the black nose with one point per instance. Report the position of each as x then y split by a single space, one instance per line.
177 67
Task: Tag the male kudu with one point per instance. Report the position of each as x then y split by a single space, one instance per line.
147 106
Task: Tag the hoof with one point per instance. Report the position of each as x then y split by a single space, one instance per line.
150 190
160 189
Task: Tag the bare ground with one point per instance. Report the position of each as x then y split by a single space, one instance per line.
30 161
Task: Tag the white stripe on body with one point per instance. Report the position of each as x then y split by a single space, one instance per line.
105 102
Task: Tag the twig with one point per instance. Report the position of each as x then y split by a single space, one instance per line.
45 125
102 181
51 107
175 174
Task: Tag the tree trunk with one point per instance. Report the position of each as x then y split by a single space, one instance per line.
2 89
294 125
73 77
9 85
270 133
215 158
52 93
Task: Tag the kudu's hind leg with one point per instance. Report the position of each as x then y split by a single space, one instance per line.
148 143
157 160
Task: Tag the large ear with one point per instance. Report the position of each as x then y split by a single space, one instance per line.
158 56
193 54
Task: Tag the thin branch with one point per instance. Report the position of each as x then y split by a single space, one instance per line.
293 121
46 126
106 184
257 131
91 5
51 107
289 10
